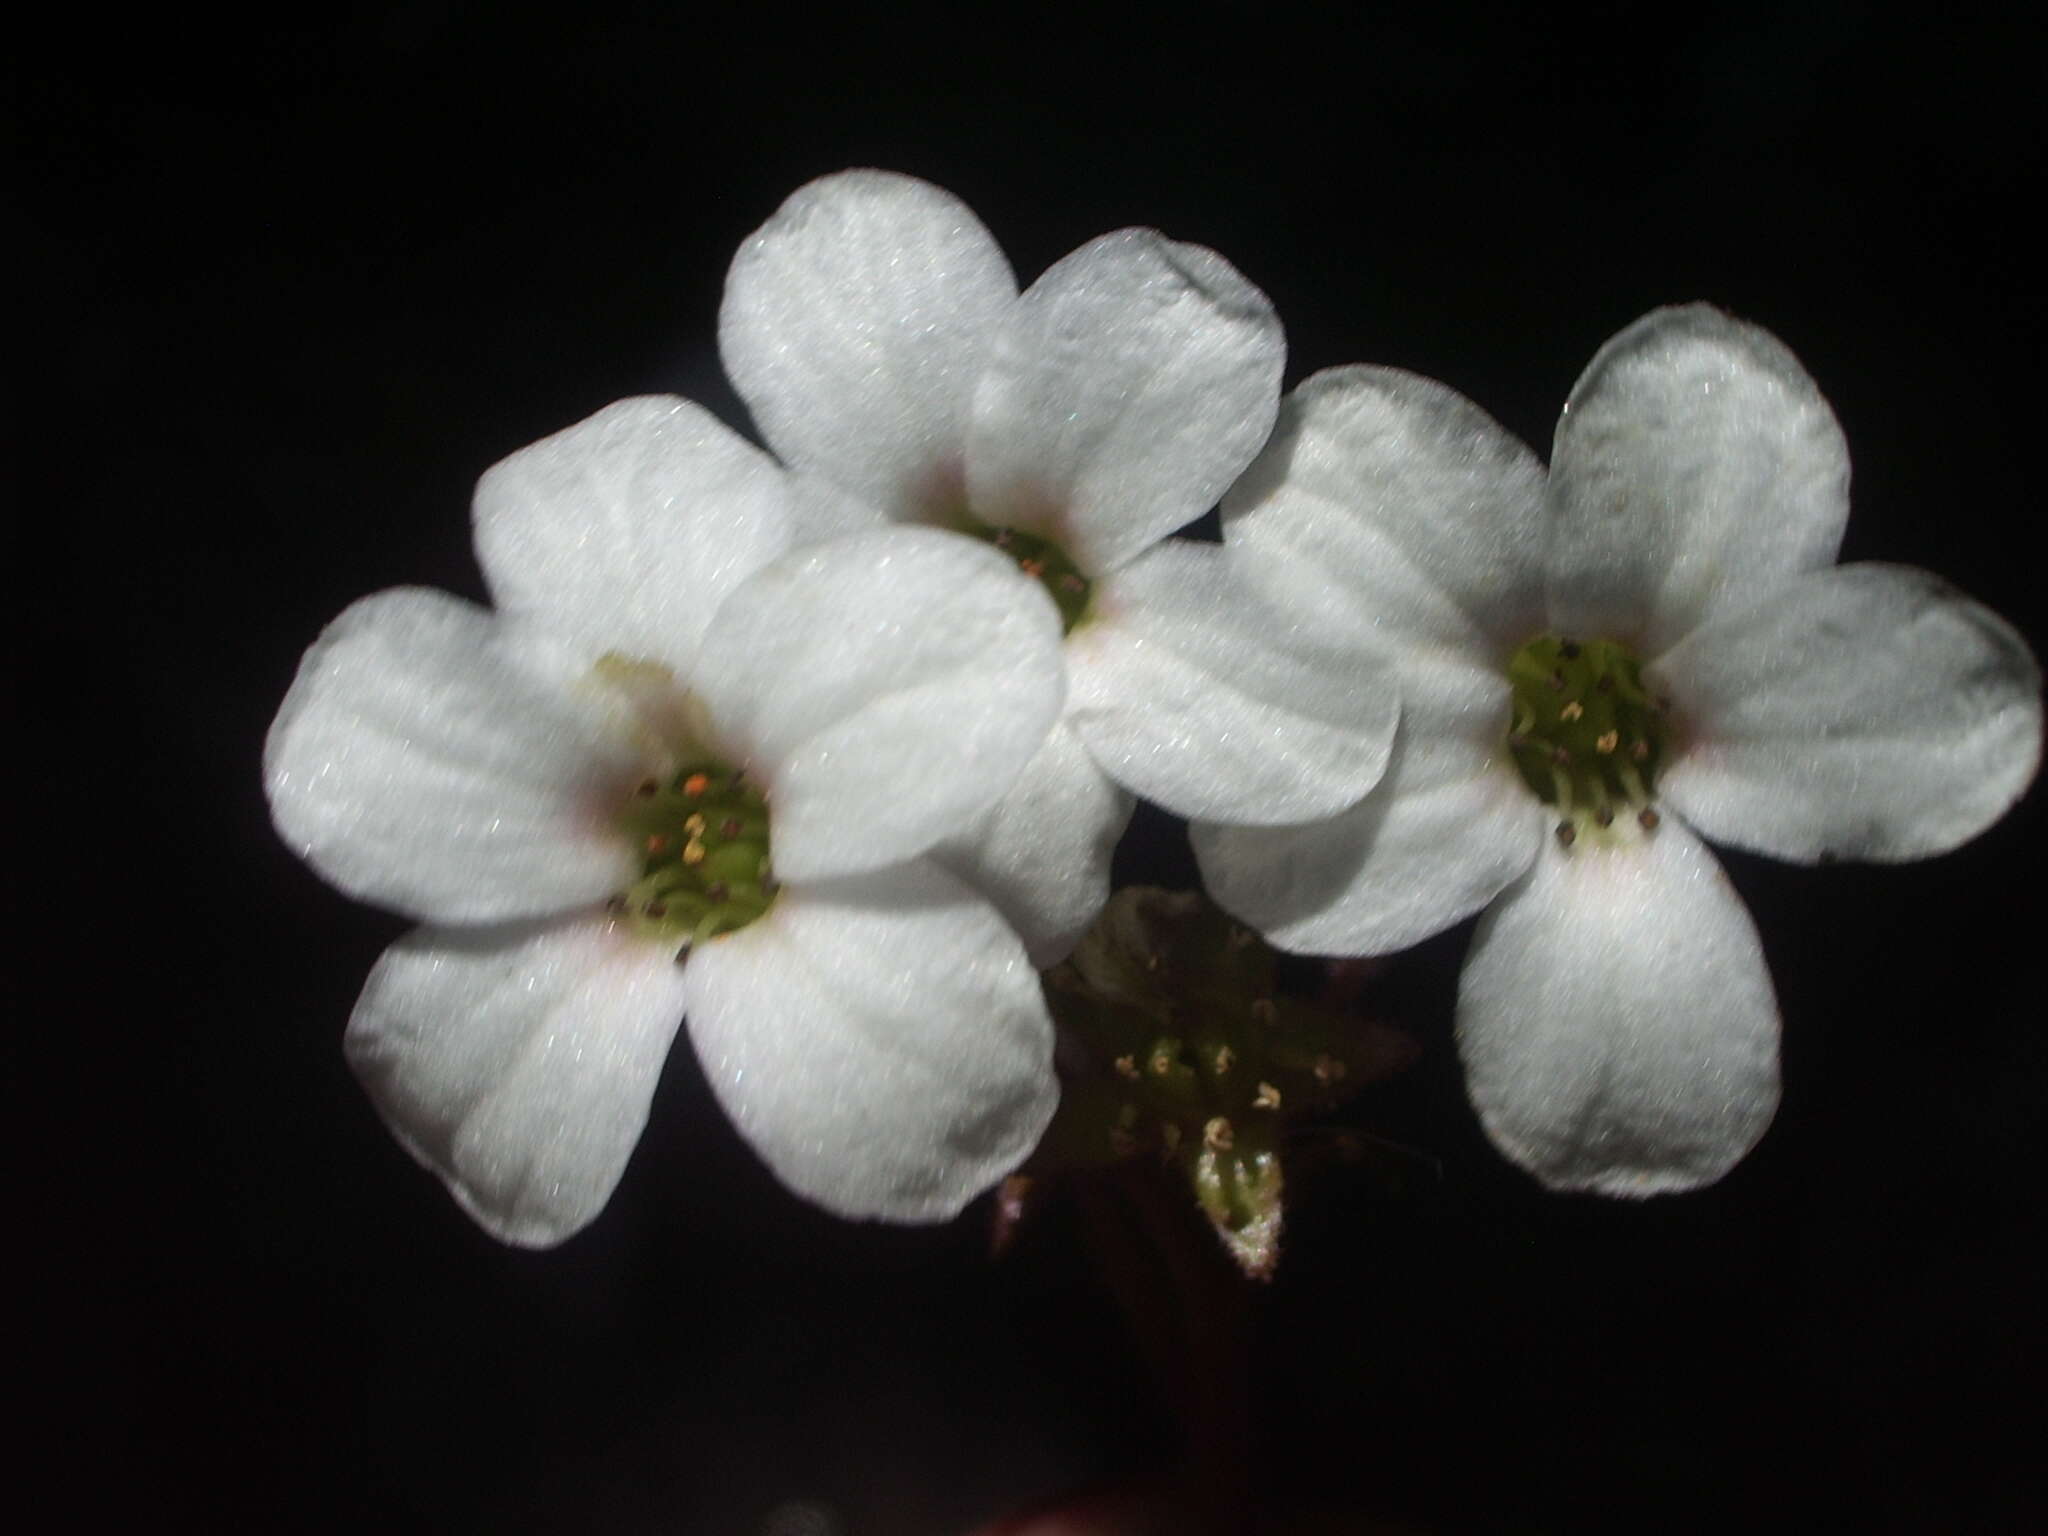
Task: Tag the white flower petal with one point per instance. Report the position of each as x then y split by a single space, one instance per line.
1042 852
1616 1018
1448 828
449 765
888 686
855 325
1190 691
518 1062
1695 463
1132 382
881 1041
1393 510
625 532
1865 712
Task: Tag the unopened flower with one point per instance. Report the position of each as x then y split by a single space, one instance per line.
1654 645
681 771
875 330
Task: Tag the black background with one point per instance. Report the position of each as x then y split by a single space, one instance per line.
291 290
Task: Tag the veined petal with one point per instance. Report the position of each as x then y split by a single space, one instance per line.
855 324
1131 384
1863 712
1394 511
1189 690
1695 464
625 532
1448 828
518 1062
887 686
1616 1018
449 765
1041 853
881 1041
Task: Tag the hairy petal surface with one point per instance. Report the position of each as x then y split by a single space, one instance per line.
1128 387
448 765
1696 463
1041 853
1193 693
855 324
1396 512
625 532
881 1041
1862 712
889 686
1447 829
1616 1018
518 1062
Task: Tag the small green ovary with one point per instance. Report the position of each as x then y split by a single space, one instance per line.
702 839
1585 734
1040 558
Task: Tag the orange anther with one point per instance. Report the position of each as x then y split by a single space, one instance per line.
696 783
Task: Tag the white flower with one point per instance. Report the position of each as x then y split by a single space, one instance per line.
875 331
1660 628
572 790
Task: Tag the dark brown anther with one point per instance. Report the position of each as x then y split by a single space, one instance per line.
1568 649
1560 756
1640 751
648 789
1604 682
1072 583
1567 834
731 827
716 891
1557 682
1648 818
1605 815
683 954
615 905
656 909
1002 539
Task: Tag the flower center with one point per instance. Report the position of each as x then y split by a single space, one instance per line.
1039 557
1585 735
702 835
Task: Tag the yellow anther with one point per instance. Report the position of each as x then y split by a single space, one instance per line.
1217 1136
1224 1059
1268 1097
1608 742
1161 1063
693 852
1328 1069
694 824
1127 1066
1571 711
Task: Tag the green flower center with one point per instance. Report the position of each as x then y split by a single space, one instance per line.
1585 735
702 837
1042 559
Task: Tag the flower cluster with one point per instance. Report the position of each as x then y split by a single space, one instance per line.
822 755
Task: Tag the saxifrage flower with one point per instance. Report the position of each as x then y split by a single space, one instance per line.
681 771
1651 646
875 330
